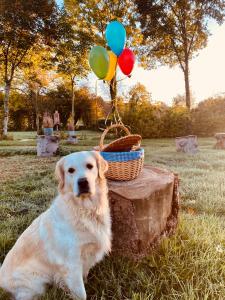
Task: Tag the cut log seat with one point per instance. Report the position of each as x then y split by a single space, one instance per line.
143 211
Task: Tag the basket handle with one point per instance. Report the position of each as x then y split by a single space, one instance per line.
101 143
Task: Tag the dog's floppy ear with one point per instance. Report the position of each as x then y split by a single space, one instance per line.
102 165
60 175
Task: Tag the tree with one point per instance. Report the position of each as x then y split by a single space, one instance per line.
175 30
93 17
87 106
179 100
71 52
208 117
37 77
23 24
139 95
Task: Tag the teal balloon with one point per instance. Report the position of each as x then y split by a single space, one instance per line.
99 61
116 36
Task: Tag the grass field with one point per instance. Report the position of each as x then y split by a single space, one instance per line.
188 266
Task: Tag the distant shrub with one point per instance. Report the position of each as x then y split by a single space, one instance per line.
63 135
8 137
154 121
176 122
209 117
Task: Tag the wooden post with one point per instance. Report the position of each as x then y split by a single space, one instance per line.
143 211
47 145
220 140
187 144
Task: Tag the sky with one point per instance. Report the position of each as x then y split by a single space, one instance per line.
60 2
207 74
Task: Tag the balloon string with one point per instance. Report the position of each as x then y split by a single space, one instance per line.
115 114
122 79
96 87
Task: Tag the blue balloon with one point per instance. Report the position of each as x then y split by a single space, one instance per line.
115 36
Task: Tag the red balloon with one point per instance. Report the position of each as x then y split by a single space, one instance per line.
126 61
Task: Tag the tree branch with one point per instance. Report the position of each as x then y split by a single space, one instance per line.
178 56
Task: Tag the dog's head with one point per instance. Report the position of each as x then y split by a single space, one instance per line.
79 173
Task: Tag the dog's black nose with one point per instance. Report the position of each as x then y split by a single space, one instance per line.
83 185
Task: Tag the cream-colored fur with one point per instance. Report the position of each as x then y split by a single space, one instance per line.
64 242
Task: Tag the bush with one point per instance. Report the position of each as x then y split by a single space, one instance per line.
209 117
154 121
176 122
8 137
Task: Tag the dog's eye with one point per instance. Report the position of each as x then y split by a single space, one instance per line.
71 170
89 166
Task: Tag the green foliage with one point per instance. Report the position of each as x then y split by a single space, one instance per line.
209 117
176 122
92 17
70 55
174 31
23 24
87 107
158 120
154 121
139 113
143 120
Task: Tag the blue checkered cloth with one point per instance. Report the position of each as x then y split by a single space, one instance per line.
123 156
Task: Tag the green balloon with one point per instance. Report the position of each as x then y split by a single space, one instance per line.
99 61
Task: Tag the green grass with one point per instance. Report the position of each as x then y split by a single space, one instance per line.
188 266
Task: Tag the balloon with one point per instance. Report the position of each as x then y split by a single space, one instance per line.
112 66
99 61
115 36
126 61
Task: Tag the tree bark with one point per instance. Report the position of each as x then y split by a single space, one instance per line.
187 84
220 140
47 145
6 108
72 83
113 88
113 93
37 112
143 211
187 144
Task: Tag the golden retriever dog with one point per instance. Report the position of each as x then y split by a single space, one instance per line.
64 242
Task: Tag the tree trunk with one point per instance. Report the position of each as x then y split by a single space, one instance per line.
220 140
143 211
187 144
37 113
6 108
113 93
113 89
73 100
187 85
47 145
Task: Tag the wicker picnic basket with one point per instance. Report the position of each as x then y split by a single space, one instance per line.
124 155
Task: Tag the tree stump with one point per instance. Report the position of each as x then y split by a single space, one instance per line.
72 139
187 144
143 211
47 145
220 140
